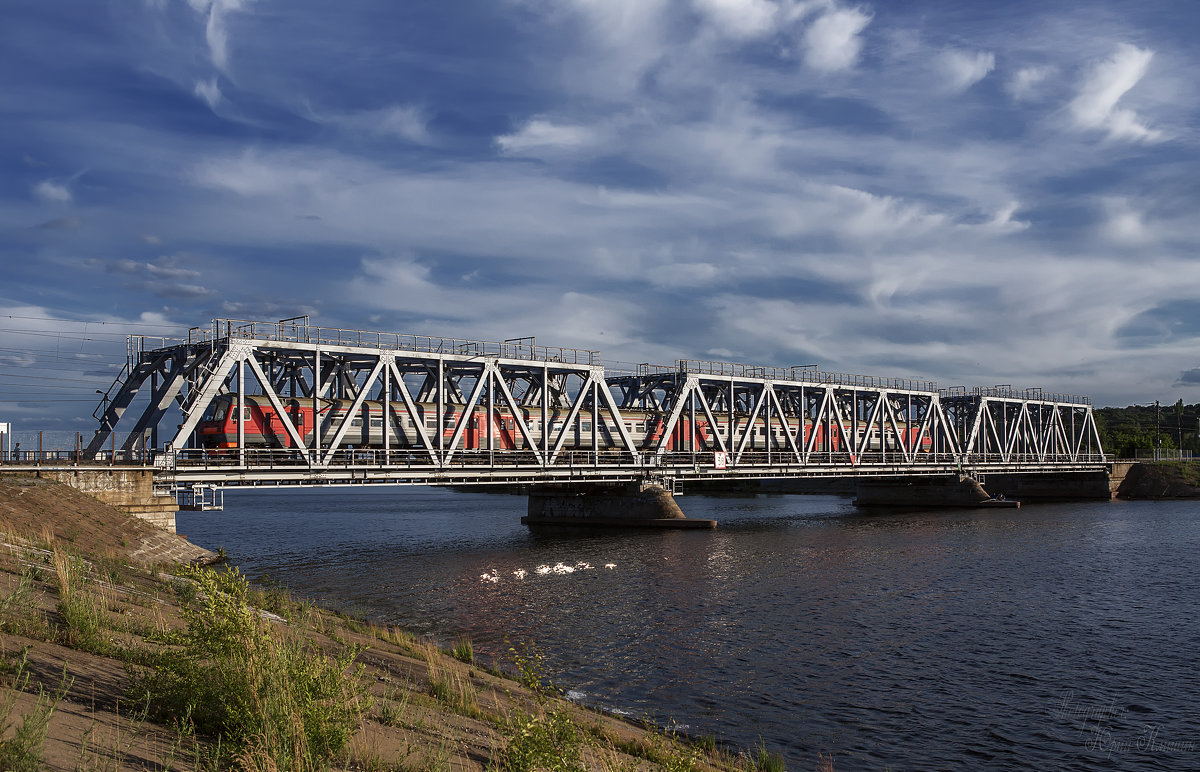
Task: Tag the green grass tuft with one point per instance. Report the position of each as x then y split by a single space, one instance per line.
463 650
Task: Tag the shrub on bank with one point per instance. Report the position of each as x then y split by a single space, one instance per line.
273 699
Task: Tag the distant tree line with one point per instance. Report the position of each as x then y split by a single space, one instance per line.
1126 430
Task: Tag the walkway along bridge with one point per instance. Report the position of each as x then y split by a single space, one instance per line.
324 406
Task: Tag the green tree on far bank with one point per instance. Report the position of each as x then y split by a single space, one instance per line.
1124 431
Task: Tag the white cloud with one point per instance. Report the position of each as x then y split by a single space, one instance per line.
832 41
559 318
540 135
252 175
1095 107
1125 224
1024 84
54 192
1003 221
216 33
209 91
963 69
407 122
404 121
624 38
740 18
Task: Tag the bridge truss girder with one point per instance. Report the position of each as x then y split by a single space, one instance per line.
1014 430
755 426
460 385
804 422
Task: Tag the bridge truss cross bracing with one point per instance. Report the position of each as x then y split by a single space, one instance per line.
312 405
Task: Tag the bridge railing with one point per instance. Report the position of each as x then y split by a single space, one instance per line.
119 457
287 332
1008 392
805 373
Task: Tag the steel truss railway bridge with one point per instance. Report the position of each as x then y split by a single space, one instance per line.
762 422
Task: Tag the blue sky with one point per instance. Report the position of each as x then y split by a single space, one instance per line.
974 193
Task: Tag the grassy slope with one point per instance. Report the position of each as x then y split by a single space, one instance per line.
83 600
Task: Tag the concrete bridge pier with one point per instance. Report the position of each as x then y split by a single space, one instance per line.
934 491
1055 485
636 505
129 490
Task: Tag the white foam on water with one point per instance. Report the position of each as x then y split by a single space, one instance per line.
575 696
519 573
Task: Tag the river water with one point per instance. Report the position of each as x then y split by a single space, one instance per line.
1056 636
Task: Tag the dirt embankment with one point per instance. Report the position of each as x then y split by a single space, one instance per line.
1162 480
43 508
92 610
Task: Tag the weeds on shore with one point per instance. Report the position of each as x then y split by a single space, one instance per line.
766 761
22 751
19 612
81 609
463 650
278 702
546 737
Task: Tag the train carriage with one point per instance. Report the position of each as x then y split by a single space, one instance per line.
263 428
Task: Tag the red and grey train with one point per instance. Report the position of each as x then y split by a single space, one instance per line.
263 428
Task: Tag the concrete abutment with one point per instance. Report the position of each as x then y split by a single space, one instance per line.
129 490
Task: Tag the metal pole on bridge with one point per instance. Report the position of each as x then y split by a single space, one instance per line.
241 408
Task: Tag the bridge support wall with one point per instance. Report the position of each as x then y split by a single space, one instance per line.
939 491
129 490
1056 485
1120 470
628 506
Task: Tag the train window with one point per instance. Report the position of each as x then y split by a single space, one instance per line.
430 423
356 422
585 426
221 412
245 414
376 423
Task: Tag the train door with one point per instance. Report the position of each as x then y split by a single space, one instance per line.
297 417
473 433
507 429
276 435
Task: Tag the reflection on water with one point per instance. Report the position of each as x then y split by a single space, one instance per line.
1053 636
